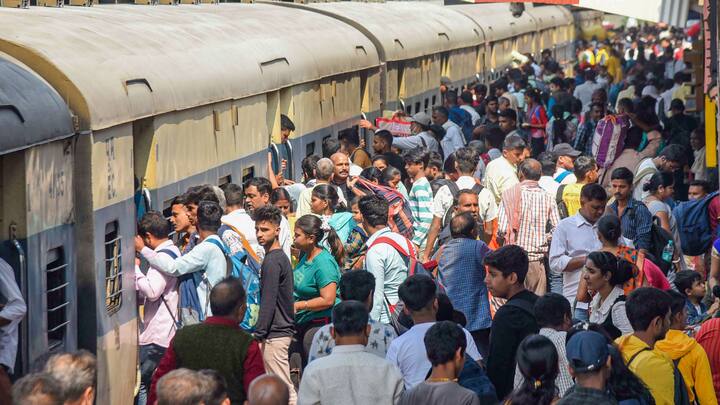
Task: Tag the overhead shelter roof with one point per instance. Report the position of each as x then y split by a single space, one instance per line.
409 29
496 20
31 112
117 63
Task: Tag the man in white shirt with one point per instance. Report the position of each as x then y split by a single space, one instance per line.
547 182
454 138
584 91
565 156
323 173
238 229
501 173
465 102
157 291
350 375
257 194
387 264
420 127
671 158
465 164
407 352
573 239
207 261
12 311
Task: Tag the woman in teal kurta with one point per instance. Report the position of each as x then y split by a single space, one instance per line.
315 278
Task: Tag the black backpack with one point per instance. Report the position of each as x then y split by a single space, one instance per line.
659 239
562 207
681 394
444 234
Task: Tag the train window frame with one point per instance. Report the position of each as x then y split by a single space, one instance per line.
309 148
417 107
434 100
57 299
113 267
223 180
248 173
427 104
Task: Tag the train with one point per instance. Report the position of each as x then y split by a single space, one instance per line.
101 104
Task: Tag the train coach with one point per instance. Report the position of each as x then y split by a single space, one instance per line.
170 97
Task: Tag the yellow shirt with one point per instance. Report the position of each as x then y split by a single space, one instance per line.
654 368
571 197
614 68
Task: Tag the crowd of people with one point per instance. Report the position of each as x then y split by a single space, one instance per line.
544 239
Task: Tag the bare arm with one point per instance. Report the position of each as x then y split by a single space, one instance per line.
432 237
324 301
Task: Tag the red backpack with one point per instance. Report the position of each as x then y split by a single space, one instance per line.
399 213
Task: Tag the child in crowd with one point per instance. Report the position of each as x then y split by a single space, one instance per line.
691 284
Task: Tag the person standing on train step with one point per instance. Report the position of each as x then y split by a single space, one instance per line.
257 194
184 229
159 293
323 173
206 262
282 152
12 311
217 344
350 145
275 323
421 137
238 228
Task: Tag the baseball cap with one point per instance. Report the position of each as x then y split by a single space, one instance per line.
587 351
564 149
421 118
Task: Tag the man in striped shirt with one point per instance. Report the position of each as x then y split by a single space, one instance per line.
527 215
421 197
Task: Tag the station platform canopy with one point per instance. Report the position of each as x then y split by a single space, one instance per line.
673 12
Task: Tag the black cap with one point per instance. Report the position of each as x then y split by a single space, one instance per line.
286 123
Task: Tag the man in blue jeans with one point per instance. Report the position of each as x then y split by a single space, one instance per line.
573 239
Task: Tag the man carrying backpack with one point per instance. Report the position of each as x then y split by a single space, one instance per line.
388 257
670 159
634 216
465 163
206 262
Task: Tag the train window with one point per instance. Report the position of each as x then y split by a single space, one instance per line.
113 268
224 180
434 100
216 120
310 148
408 110
427 104
57 300
417 107
248 173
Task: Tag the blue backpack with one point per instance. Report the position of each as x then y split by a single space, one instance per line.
243 266
464 120
693 224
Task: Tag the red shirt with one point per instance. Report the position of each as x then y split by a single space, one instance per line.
253 365
714 213
709 339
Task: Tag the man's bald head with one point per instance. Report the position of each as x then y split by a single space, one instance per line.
325 169
531 169
227 296
268 389
342 166
463 226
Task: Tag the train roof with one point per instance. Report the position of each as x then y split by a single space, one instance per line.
118 63
31 112
550 16
496 20
409 29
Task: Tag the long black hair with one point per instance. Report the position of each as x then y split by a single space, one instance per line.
312 225
537 360
559 124
620 270
329 193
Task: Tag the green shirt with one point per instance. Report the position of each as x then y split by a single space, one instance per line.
309 278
